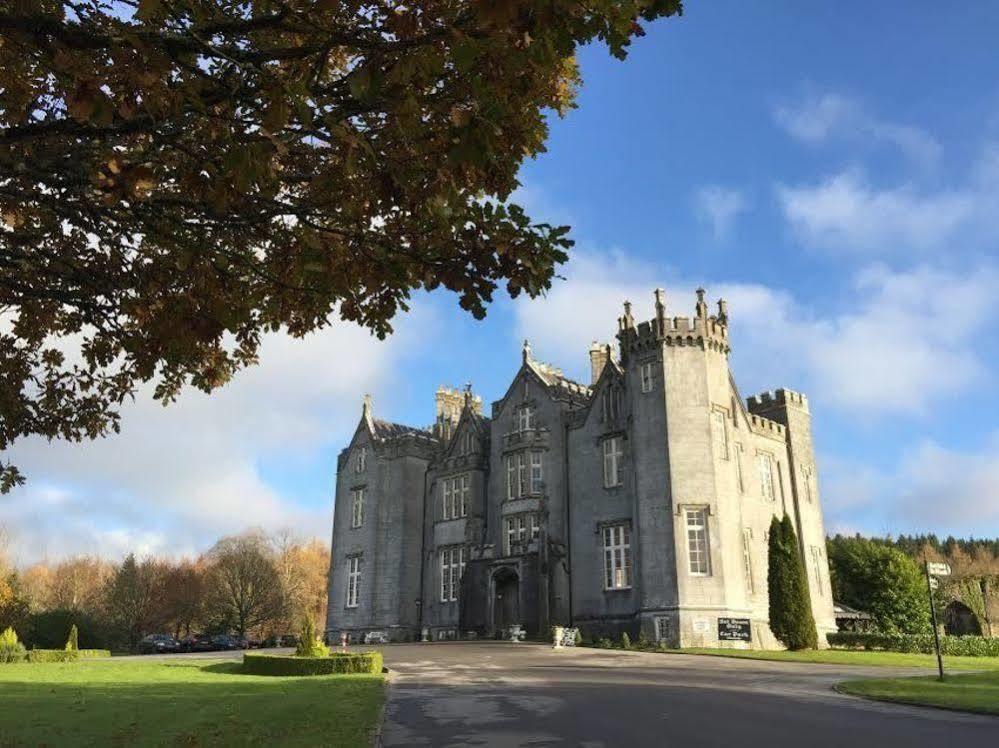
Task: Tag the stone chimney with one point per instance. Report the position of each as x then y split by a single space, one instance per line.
599 356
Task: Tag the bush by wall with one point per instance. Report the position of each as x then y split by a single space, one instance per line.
967 646
53 655
337 663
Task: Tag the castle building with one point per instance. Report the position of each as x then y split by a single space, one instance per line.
639 503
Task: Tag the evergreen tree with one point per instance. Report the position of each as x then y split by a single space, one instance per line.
791 617
73 643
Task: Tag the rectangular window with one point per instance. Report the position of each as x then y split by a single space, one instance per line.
817 567
517 531
353 580
719 434
454 497
511 476
525 418
806 482
613 452
357 507
738 468
697 542
536 475
452 569
361 462
765 467
522 474
617 557
646 372
611 403
747 558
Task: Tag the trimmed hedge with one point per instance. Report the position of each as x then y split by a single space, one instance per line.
360 662
965 646
93 654
53 655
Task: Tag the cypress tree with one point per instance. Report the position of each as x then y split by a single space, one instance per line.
73 643
791 617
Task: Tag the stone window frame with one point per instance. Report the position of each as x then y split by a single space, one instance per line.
521 479
357 501
361 459
705 569
455 490
739 467
721 446
771 460
355 565
613 457
526 417
624 545
646 376
816 554
527 528
747 559
451 567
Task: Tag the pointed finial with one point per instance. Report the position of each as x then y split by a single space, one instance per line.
723 311
366 408
702 308
527 350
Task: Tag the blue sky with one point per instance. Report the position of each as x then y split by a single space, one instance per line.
832 169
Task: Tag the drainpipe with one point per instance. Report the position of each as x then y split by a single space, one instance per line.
568 511
423 559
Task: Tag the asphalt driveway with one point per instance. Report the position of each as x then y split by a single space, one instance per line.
504 695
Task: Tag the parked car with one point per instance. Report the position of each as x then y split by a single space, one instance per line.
225 642
158 644
376 637
198 643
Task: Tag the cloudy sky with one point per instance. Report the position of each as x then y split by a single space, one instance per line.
831 169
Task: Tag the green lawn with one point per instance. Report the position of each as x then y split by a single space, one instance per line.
188 702
853 657
975 692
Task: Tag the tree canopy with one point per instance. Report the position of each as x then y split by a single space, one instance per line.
178 177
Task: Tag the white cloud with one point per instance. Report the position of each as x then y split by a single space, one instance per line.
845 213
929 488
905 341
718 207
178 477
818 118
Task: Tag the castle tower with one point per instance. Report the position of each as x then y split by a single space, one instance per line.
678 379
791 409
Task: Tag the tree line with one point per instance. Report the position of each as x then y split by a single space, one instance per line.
251 584
883 576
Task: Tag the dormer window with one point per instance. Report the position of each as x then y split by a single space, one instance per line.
525 418
361 459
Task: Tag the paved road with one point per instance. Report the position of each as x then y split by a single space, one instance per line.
502 695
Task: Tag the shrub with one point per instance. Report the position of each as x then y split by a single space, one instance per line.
625 641
310 645
53 655
73 643
11 650
579 638
966 646
603 643
337 663
791 619
92 654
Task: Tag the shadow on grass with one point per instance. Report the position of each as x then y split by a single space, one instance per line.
224 668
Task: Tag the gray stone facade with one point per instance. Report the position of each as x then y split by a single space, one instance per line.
639 502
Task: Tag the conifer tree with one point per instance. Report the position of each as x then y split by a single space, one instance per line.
73 643
791 617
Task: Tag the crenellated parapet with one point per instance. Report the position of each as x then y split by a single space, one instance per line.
780 398
766 427
708 332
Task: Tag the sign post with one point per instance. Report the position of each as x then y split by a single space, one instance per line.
936 570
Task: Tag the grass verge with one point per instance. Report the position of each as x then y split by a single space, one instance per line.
852 657
973 692
194 702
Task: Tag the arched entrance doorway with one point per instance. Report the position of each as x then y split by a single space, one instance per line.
959 620
506 599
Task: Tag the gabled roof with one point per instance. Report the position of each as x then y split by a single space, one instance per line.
387 430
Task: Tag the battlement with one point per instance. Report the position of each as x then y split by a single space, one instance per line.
708 332
766 401
766 427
